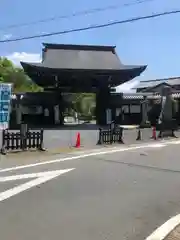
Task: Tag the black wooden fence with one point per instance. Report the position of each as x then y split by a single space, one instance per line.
109 136
22 140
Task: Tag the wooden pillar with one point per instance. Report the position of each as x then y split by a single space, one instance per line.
113 113
178 113
102 104
144 111
18 114
167 104
61 108
56 114
18 110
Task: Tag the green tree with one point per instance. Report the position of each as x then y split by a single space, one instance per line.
84 103
6 67
16 76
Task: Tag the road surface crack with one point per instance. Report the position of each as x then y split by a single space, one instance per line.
141 166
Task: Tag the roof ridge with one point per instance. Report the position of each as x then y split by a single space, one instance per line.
79 47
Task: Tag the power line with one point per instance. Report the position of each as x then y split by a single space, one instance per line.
75 14
92 26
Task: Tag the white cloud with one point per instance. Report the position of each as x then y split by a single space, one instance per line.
127 87
16 57
5 37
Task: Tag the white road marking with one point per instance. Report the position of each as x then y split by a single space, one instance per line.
165 229
33 175
109 151
159 145
92 150
175 142
40 178
92 154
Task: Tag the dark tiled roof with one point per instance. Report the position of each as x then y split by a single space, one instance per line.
58 56
68 62
81 59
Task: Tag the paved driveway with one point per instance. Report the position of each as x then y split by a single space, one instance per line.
89 137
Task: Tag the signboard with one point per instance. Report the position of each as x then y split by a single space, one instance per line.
5 101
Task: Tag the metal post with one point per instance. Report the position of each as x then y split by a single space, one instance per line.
42 140
121 135
100 137
23 132
3 149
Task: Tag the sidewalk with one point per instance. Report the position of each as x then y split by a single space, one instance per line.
174 235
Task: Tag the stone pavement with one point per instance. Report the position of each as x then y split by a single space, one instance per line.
89 137
65 136
174 235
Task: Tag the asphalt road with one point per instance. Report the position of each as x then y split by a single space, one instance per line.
119 195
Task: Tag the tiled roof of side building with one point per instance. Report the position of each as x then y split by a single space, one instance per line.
149 95
153 83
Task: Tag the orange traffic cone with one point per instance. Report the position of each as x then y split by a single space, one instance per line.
78 140
154 133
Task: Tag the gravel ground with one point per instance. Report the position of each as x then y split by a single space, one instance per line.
174 235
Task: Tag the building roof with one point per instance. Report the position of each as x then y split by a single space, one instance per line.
153 83
87 57
59 58
149 95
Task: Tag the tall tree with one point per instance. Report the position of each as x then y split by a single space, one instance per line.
12 74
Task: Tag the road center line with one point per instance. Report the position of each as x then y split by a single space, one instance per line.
81 156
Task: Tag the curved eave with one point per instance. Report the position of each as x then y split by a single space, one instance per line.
126 73
40 67
31 66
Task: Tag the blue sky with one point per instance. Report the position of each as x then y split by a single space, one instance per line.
154 42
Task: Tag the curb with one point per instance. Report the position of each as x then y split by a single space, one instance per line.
35 154
53 151
82 149
166 229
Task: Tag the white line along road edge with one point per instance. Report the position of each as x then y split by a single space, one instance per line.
41 177
165 229
91 154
